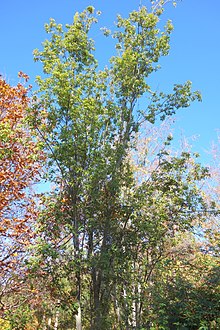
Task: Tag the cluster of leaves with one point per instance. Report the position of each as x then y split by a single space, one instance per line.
186 287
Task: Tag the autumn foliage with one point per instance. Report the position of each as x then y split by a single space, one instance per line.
19 168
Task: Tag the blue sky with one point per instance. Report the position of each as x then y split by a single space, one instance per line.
194 54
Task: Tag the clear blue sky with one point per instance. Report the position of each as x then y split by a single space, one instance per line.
194 55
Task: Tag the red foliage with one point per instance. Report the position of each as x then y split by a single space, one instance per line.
19 168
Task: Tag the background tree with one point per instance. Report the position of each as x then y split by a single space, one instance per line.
212 190
19 169
185 290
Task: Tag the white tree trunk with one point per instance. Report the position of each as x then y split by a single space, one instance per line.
44 322
49 322
56 319
79 319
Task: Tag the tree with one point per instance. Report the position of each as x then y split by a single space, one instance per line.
19 169
212 191
185 290
102 231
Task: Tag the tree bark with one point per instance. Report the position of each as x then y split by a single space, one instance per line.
57 317
79 319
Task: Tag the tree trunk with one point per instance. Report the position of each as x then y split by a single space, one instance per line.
79 319
49 322
57 317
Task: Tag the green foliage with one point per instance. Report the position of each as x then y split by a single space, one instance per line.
21 318
89 131
187 293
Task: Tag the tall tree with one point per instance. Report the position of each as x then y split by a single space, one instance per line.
100 219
